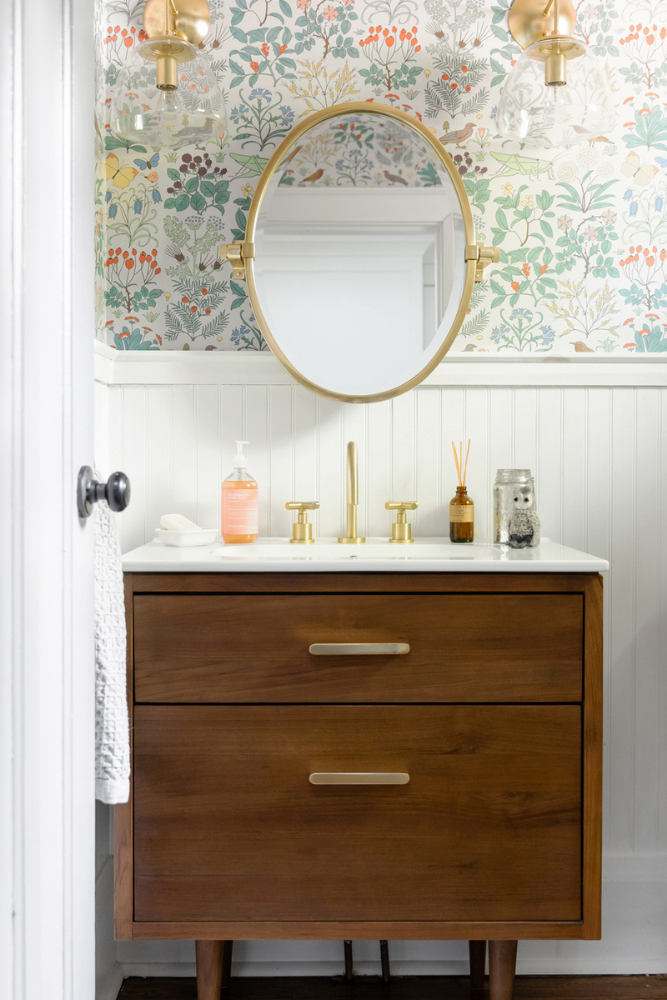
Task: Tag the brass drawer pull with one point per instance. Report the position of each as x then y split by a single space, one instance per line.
359 778
359 648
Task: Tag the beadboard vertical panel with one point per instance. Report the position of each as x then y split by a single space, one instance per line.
480 476
183 467
281 451
598 495
305 458
159 446
600 464
621 625
548 468
573 469
207 447
133 462
379 450
427 519
330 479
648 665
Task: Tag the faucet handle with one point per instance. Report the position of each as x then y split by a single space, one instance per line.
401 531
302 531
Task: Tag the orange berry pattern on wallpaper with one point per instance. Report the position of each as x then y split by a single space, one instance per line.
582 230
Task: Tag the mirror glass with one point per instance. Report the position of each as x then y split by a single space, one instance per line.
359 269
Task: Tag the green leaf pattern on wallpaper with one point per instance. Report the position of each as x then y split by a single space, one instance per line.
582 231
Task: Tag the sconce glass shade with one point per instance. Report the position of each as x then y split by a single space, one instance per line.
190 112
577 106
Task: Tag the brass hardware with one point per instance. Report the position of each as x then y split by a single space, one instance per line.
174 28
237 254
483 256
359 778
302 531
359 648
401 530
530 22
351 537
274 164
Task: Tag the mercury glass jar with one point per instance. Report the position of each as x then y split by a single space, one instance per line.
503 493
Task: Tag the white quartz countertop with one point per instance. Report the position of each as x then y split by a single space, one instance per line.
428 555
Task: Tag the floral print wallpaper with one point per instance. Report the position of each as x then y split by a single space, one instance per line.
582 230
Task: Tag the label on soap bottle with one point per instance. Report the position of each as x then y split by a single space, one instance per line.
240 512
459 513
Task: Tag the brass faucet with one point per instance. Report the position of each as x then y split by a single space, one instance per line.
351 537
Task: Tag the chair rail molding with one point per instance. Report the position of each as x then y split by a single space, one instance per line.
114 367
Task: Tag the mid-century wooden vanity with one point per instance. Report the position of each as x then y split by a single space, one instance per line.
483 744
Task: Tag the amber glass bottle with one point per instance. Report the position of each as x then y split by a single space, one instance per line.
461 517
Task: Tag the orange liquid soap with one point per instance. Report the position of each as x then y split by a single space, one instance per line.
240 503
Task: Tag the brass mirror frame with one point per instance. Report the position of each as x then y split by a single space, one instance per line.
242 255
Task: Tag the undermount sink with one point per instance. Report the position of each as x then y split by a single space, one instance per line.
325 555
374 548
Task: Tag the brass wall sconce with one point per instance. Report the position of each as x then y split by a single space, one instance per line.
178 101
558 92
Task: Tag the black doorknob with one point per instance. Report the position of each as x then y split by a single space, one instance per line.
116 491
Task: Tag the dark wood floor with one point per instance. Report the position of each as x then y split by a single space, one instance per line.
406 988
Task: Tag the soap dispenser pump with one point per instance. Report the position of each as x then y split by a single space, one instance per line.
240 502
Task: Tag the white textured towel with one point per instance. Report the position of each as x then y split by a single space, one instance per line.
112 731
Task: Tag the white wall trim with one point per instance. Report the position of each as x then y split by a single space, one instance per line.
114 367
46 614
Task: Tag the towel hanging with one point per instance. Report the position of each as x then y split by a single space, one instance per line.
112 733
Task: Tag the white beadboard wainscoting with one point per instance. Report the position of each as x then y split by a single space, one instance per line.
594 434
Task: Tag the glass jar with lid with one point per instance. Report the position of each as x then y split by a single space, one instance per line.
503 494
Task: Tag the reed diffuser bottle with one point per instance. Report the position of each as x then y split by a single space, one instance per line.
461 507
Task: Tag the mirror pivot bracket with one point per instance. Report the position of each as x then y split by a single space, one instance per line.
484 256
237 254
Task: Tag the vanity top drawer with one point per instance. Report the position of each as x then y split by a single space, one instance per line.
225 648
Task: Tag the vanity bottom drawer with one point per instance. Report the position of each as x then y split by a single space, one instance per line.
228 826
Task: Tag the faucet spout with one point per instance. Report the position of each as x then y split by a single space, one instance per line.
352 492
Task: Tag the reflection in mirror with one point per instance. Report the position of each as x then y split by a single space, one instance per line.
359 254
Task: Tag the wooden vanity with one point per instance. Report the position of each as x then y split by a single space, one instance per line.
495 713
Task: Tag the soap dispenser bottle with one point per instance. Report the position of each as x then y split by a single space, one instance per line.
240 502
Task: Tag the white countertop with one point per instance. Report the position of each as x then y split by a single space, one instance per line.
427 555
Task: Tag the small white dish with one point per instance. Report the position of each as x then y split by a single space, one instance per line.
181 539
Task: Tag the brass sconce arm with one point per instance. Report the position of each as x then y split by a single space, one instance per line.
237 254
484 256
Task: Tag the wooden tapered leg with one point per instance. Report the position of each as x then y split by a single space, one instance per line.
502 965
227 950
209 969
477 963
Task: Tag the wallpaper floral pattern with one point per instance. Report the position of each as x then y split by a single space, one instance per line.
583 230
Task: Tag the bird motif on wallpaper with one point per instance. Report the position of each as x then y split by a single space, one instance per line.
395 179
581 348
461 135
313 177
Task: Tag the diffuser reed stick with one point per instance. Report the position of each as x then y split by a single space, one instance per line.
461 507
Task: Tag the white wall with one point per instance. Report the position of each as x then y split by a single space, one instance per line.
595 436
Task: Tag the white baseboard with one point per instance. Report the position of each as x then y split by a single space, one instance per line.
109 973
108 988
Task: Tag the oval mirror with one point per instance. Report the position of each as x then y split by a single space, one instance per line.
364 252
